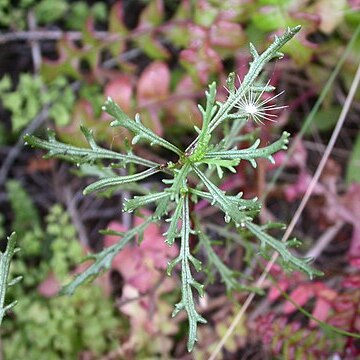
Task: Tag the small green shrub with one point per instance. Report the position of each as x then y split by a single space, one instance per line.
61 327
53 327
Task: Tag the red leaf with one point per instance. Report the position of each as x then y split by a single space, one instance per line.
344 303
300 296
154 244
352 282
120 90
201 63
225 34
321 311
139 264
198 36
153 84
274 292
355 262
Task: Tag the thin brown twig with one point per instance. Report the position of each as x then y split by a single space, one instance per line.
35 46
70 201
16 149
52 35
45 35
298 212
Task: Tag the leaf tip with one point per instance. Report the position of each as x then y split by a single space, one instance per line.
295 29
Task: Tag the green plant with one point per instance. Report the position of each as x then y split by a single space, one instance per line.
10 15
61 327
48 11
30 97
45 326
5 260
26 216
196 162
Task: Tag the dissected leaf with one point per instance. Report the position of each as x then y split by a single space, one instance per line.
82 155
103 184
140 201
228 276
253 152
187 300
141 132
5 260
102 260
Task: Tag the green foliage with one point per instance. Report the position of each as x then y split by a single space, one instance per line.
84 155
188 282
230 278
30 96
9 14
5 260
64 248
243 103
48 11
26 216
80 11
61 327
55 327
23 103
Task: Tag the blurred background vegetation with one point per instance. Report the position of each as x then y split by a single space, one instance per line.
61 59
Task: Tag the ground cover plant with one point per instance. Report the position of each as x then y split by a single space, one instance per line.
46 259
62 60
